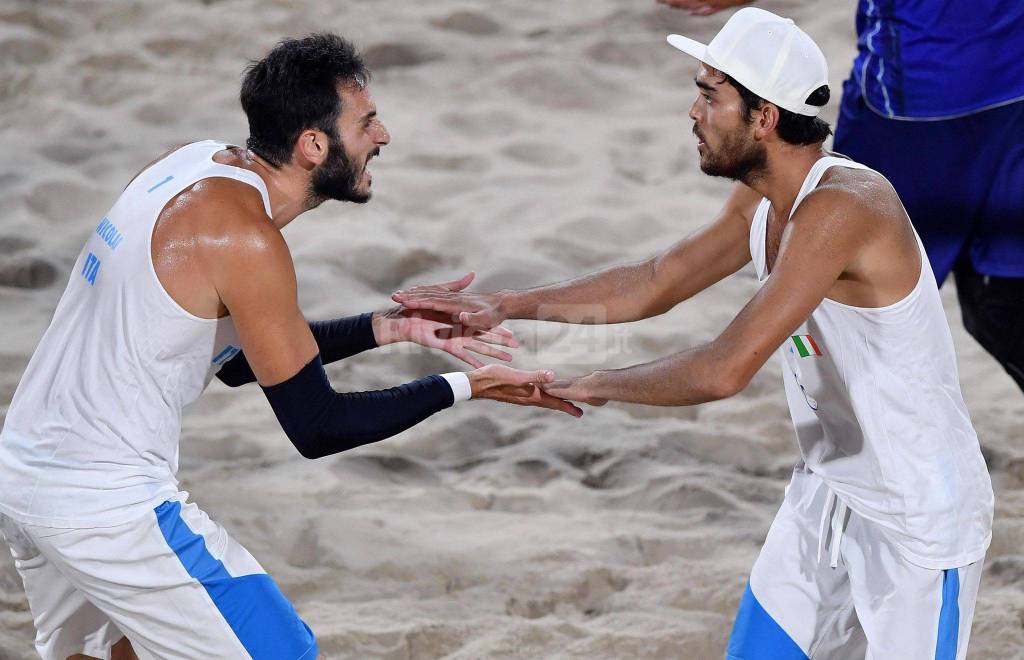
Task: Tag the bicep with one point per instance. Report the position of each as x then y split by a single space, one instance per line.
256 282
709 255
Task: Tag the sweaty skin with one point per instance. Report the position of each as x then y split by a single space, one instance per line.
850 240
216 252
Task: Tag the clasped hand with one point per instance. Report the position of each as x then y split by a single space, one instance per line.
468 310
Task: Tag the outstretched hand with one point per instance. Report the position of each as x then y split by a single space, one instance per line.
703 7
478 310
500 383
436 330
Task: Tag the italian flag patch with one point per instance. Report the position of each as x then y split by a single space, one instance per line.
806 346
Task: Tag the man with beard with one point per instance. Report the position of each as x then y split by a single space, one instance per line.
878 546
189 276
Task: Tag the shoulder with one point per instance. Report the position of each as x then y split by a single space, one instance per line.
229 223
849 199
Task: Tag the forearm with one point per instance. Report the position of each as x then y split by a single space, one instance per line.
614 295
320 421
697 375
336 340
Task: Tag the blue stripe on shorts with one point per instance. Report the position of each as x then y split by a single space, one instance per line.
949 616
261 617
757 636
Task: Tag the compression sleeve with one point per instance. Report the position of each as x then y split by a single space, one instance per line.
336 339
320 421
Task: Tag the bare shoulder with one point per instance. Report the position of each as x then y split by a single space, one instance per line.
226 222
849 199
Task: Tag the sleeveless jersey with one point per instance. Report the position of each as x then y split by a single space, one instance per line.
939 59
91 436
875 398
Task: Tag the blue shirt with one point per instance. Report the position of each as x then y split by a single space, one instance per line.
939 59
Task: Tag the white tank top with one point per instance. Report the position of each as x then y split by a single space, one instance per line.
91 436
875 399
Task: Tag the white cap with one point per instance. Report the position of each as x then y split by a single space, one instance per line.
767 54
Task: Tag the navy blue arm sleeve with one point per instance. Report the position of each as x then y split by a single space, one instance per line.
320 421
337 340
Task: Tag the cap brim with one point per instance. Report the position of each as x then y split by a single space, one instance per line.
689 46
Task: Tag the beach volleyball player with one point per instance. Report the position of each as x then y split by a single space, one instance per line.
186 277
877 548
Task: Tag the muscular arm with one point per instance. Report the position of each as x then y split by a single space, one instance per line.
624 293
254 277
822 239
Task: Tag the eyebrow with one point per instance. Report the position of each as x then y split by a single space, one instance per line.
706 87
369 115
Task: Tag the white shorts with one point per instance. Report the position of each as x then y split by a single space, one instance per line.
173 582
829 584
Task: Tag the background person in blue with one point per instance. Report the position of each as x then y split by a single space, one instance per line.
935 102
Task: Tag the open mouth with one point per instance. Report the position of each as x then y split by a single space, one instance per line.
366 165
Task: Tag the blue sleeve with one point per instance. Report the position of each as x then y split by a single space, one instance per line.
320 421
337 340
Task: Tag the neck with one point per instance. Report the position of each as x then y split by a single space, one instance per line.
784 174
286 186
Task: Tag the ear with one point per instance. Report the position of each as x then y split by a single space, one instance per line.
766 119
310 148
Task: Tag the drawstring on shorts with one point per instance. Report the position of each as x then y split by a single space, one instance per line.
833 516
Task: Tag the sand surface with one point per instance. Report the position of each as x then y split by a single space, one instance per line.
531 141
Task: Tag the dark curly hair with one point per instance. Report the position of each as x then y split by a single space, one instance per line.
793 128
295 87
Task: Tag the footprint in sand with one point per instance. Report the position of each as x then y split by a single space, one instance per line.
573 252
114 61
179 48
540 154
385 268
158 114
25 50
449 163
621 472
490 123
460 444
27 273
534 471
15 86
468 22
396 55
12 244
675 493
530 608
560 88
305 548
636 55
53 23
71 152
386 468
60 201
594 590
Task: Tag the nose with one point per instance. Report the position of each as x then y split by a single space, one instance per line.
383 136
694 113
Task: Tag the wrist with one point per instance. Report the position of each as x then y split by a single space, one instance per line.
595 384
387 329
508 303
476 383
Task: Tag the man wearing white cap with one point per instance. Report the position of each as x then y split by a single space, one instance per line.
878 546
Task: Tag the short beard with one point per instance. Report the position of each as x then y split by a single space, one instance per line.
737 161
336 178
